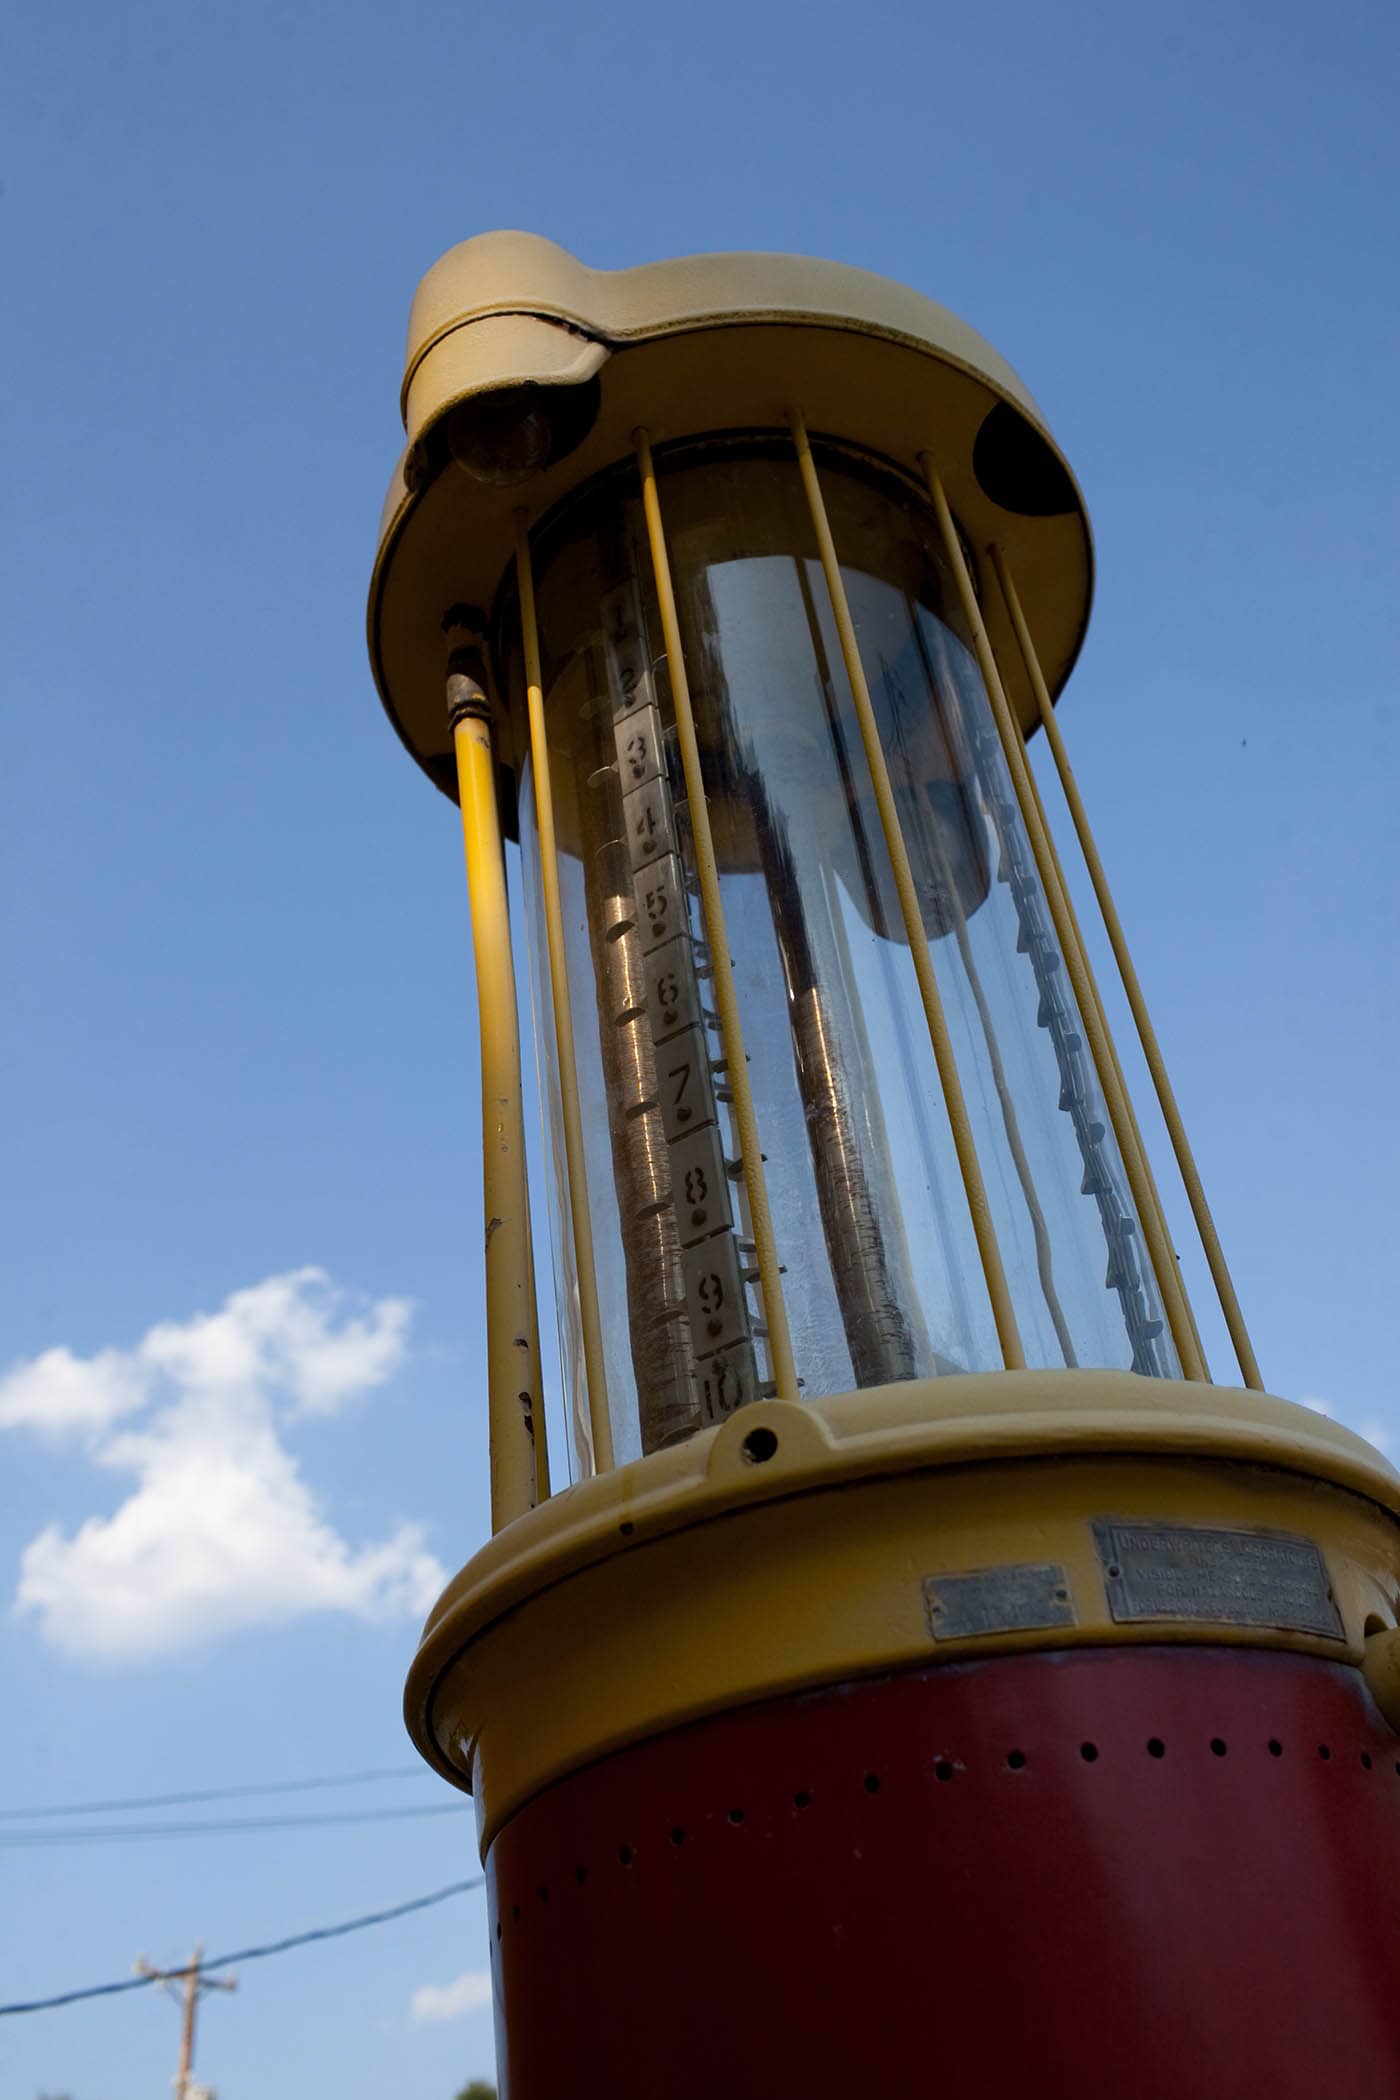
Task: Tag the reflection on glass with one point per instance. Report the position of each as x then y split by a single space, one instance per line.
880 1270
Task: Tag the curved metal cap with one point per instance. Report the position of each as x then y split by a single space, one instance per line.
527 372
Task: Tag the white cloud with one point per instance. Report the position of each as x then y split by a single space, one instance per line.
58 1393
449 2001
221 1530
279 1333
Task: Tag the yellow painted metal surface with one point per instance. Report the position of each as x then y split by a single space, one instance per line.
836 1586
519 1459
697 1578
1151 1048
525 278
1380 1664
706 343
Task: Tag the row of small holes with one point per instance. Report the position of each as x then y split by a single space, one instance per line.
943 1770
626 1853
1218 1748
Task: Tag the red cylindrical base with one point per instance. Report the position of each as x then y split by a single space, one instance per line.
1164 1872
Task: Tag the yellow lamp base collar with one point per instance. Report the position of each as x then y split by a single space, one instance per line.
911 1524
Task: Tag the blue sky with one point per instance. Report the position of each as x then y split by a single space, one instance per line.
240 1041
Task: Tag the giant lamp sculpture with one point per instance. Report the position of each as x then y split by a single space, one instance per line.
932 1681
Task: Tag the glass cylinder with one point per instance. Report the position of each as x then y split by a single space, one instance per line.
880 1271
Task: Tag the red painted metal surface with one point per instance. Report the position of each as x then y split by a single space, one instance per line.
1131 1874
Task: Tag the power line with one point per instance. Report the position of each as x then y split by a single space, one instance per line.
117 1833
247 1954
212 1793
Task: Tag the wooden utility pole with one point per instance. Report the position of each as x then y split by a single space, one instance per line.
194 1982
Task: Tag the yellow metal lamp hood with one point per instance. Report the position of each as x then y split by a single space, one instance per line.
708 342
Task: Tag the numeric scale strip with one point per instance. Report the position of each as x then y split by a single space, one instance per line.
1147 1034
974 1188
594 1358
718 1326
1095 1022
781 1364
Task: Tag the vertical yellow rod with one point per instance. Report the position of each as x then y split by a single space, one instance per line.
726 998
1003 1313
595 1363
1151 1048
1091 1013
519 1460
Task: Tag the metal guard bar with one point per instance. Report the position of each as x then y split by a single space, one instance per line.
519 1457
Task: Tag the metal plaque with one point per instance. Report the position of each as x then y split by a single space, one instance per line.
1227 1578
998 1600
